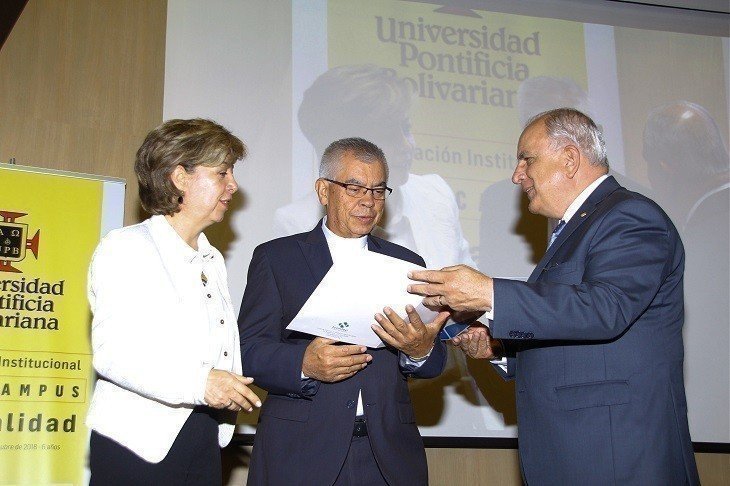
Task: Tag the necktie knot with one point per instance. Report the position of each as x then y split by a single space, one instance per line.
558 228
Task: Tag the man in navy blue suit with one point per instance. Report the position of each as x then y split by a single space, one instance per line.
595 334
335 414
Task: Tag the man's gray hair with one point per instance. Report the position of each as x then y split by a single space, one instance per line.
566 126
361 149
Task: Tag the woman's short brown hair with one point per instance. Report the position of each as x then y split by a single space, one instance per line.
187 143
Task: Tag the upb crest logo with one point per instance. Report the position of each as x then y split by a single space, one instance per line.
14 241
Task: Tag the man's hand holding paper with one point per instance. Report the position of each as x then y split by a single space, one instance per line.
412 336
324 361
344 304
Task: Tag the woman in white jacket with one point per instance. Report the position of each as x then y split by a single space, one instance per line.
164 336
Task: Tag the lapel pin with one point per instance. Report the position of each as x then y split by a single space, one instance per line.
583 215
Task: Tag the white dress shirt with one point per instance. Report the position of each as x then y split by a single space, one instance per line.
344 249
582 197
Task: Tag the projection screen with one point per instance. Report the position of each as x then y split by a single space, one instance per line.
445 88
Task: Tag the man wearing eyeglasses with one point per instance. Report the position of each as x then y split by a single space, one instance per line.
335 414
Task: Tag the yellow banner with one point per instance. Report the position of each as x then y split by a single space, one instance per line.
465 67
49 227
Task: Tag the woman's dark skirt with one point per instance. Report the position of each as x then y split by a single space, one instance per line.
193 460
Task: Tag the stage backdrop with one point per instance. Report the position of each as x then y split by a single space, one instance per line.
290 76
50 223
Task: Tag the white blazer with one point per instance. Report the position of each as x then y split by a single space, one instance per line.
151 339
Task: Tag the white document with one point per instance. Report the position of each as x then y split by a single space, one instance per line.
344 304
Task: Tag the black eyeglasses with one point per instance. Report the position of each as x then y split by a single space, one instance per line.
356 190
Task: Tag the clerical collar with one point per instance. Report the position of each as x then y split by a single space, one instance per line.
336 242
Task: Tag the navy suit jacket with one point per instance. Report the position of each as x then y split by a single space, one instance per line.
304 434
598 333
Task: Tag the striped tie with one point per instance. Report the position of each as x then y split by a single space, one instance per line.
556 232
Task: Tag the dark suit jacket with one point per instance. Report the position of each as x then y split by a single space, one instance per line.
600 390
304 434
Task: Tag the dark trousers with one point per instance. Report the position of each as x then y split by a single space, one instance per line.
360 467
193 460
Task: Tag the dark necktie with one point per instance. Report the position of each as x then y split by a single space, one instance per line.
556 232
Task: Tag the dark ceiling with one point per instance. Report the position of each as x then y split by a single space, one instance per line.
9 13
11 10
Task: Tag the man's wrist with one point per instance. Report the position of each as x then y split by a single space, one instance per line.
421 358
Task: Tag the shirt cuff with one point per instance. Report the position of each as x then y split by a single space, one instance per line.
198 397
409 365
501 362
310 386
